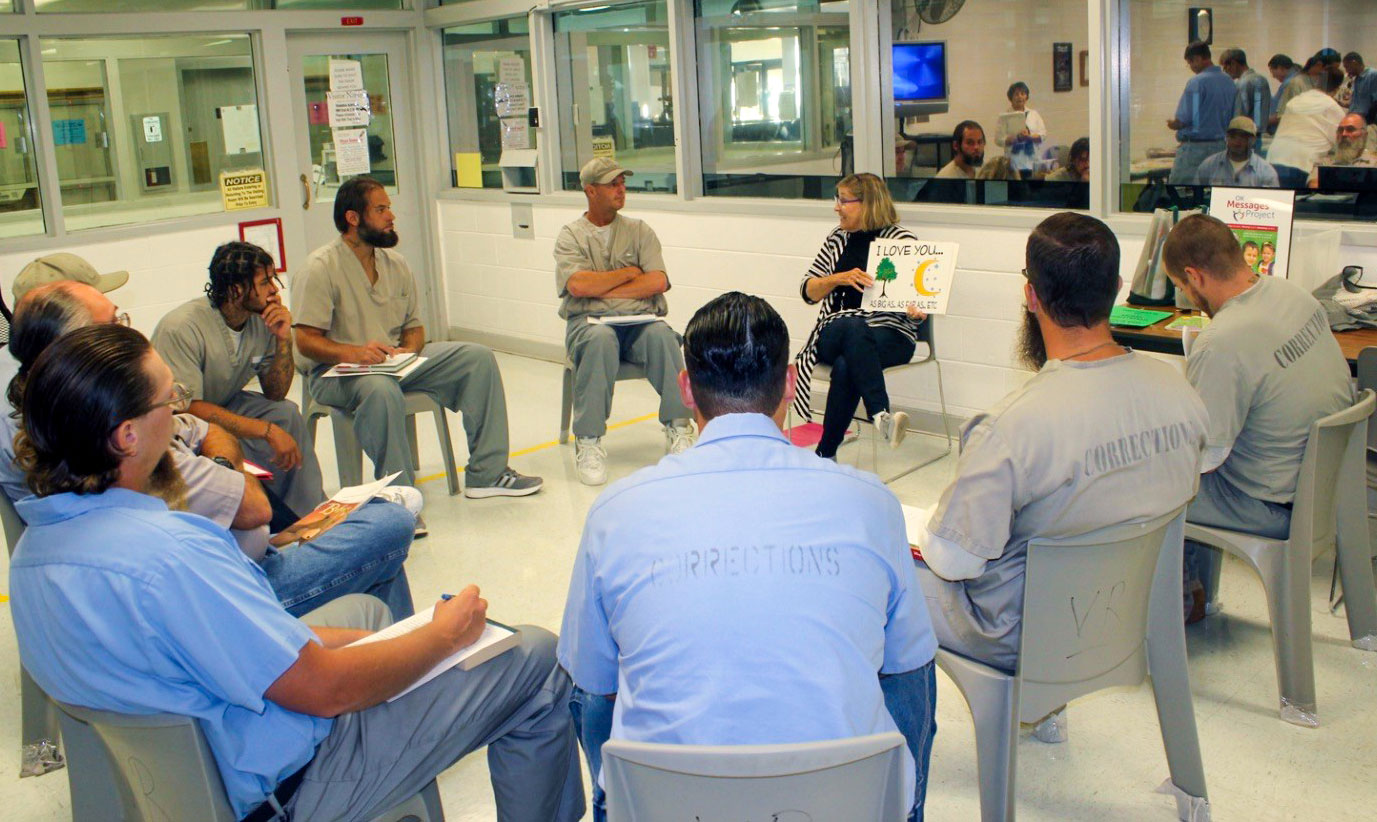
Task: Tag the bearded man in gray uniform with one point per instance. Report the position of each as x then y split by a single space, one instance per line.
1267 367
1101 435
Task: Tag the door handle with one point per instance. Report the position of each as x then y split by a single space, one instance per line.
306 187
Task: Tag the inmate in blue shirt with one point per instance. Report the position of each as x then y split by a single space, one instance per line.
1206 106
121 605
745 592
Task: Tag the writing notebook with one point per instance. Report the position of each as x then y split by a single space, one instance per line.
496 639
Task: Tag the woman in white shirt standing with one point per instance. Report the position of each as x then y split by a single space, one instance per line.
1307 130
1021 144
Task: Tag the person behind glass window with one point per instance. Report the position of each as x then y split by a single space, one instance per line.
1307 130
968 152
1254 95
1363 81
1202 114
1021 146
1237 164
1353 146
1290 82
1077 168
857 345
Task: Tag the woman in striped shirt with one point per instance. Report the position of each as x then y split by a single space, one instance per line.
858 345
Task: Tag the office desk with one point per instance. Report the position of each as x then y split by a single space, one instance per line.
1157 338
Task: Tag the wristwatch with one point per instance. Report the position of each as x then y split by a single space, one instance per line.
225 462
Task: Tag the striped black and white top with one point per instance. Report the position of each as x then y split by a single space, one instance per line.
833 306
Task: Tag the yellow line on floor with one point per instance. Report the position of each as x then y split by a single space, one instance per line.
541 447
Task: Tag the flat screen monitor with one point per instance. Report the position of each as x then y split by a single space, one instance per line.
920 72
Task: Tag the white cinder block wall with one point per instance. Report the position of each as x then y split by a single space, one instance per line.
499 285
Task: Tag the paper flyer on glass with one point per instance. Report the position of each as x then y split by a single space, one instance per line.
1261 220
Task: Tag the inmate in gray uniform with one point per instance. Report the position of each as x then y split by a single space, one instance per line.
1081 446
598 350
198 346
332 293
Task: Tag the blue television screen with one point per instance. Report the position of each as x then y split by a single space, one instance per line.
920 71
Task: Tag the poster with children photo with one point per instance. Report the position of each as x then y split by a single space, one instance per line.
1261 220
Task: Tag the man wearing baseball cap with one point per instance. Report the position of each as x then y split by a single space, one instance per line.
1237 164
608 266
63 266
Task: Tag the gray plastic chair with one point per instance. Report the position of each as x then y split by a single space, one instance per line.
1100 610
625 371
823 372
860 779
165 770
1329 511
348 452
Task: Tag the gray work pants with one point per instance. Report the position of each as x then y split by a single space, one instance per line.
460 376
1221 504
597 351
300 488
516 704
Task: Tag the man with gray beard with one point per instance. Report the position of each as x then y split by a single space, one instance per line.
1351 148
1101 435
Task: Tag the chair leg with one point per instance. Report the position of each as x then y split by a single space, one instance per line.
39 718
566 405
412 442
91 782
1171 687
446 450
942 398
1354 560
1286 582
993 701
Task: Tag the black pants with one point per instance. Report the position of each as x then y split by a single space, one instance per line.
858 355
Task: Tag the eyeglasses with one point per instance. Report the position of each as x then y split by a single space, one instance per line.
122 318
180 400
840 200
1350 278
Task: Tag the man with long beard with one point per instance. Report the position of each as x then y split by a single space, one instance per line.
1101 435
968 152
1350 149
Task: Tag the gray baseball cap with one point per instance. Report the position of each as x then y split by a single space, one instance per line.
601 170
63 266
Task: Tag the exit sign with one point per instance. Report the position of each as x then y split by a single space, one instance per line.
351 21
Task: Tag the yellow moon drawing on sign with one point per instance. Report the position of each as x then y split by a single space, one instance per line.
918 279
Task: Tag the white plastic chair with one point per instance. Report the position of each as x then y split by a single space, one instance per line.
1100 610
165 770
625 371
348 452
823 372
1329 511
860 779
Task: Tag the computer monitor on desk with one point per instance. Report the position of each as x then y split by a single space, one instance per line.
1348 178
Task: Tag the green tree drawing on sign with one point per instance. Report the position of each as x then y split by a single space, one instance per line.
886 273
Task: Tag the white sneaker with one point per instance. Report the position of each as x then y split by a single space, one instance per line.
892 426
679 437
405 496
591 460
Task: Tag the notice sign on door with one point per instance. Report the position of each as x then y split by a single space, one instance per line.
152 129
244 189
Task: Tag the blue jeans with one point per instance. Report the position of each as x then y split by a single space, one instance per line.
1221 504
911 698
362 555
1189 156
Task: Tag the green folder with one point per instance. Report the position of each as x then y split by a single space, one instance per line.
1122 315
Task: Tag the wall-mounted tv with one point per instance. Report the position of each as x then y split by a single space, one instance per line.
920 78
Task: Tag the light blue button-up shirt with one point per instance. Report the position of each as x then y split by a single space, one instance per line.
745 592
1364 92
122 605
1206 106
1217 170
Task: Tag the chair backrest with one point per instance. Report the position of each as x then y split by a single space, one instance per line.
859 779
1317 487
162 765
1367 380
1085 610
9 518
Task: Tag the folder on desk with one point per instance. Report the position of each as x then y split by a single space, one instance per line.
1125 317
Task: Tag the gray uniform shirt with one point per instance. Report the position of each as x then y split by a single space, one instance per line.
332 293
204 356
1081 446
582 247
1267 367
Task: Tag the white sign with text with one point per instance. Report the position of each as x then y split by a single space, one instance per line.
907 273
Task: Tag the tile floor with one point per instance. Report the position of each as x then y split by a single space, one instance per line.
520 553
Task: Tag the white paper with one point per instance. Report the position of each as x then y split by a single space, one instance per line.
1011 123
153 129
348 109
511 99
351 152
399 373
516 134
511 70
240 127
907 273
491 634
916 523
265 237
346 75
628 319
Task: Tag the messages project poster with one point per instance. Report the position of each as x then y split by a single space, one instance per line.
1261 220
907 273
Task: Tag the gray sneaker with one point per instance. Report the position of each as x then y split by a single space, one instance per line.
892 426
679 437
509 484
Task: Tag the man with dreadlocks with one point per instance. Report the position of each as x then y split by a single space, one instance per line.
217 343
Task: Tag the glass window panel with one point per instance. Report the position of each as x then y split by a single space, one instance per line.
70 6
143 127
479 98
774 96
1334 173
324 163
20 209
614 82
1026 157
